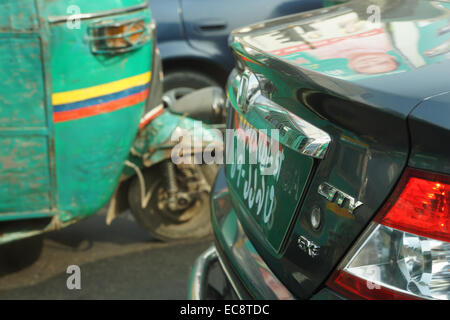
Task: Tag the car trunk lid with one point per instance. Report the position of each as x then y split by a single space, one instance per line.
361 111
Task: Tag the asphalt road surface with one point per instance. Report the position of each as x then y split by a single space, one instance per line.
117 262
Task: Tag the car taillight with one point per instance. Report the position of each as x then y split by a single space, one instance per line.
405 252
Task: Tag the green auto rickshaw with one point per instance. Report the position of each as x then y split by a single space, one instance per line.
82 122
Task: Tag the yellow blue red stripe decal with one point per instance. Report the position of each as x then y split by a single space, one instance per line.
82 103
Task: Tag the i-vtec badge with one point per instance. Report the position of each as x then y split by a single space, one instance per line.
308 246
335 195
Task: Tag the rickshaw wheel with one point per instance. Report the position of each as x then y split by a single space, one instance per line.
159 222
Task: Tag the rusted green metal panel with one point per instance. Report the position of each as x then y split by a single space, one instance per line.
25 182
18 15
22 90
25 137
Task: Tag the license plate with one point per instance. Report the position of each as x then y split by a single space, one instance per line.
266 179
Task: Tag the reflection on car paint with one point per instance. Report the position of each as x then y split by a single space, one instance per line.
348 46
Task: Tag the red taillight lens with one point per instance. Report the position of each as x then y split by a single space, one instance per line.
420 206
405 252
357 288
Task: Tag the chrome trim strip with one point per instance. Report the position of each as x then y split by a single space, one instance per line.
84 16
263 113
199 274
229 277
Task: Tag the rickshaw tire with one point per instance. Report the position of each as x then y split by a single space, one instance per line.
157 224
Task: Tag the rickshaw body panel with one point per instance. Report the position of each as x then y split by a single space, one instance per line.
68 116
27 182
90 151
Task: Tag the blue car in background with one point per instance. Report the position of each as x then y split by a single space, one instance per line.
193 35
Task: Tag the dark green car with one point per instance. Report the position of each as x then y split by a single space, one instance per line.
337 178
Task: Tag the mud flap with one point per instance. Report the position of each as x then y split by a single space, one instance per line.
119 201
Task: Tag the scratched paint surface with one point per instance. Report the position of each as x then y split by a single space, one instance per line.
24 162
24 183
90 151
90 156
18 15
21 72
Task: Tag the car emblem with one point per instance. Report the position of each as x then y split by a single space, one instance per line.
308 246
335 195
